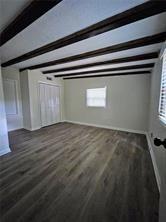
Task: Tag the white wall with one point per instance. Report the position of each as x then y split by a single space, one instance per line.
158 129
4 144
127 102
30 93
24 83
14 121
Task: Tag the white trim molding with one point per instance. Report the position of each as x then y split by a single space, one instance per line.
107 127
156 171
32 129
10 130
4 151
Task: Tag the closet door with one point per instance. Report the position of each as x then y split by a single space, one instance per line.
53 104
49 99
42 105
49 102
56 104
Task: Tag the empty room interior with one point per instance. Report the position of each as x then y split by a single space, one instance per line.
83 111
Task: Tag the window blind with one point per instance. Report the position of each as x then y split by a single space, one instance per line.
162 106
96 97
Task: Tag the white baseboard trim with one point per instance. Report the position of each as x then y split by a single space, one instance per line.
31 129
39 127
36 128
4 151
10 130
156 171
107 127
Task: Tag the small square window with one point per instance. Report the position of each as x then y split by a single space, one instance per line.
96 97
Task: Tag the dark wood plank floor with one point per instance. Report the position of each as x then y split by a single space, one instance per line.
76 173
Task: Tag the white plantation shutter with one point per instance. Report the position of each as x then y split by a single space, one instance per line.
162 106
96 97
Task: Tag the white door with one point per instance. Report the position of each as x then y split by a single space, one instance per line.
49 104
158 127
161 150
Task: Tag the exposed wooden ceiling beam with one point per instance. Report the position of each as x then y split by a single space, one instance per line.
148 40
31 13
139 12
141 57
108 75
123 68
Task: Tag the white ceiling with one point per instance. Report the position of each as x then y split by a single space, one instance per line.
113 72
70 16
125 53
109 66
9 10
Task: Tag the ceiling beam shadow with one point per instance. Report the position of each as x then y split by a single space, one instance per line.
148 40
134 14
108 75
30 14
141 57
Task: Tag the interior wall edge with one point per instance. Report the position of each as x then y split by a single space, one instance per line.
153 158
4 141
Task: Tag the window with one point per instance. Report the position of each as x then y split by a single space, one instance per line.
96 97
162 106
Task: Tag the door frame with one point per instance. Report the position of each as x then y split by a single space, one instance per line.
60 98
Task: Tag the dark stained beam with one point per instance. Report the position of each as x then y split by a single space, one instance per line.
148 40
32 12
108 75
123 68
141 57
139 12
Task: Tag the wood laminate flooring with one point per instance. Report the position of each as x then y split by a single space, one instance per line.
75 173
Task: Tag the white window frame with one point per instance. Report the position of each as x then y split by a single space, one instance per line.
96 106
163 75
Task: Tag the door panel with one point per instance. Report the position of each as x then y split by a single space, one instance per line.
57 104
158 129
52 104
42 105
10 95
161 133
49 102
